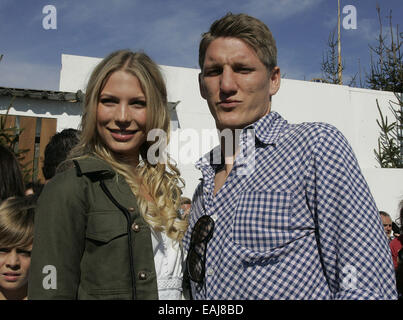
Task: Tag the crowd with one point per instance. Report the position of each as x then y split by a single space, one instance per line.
109 224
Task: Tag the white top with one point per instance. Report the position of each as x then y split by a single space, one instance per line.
168 259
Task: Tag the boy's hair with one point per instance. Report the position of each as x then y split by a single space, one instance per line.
17 221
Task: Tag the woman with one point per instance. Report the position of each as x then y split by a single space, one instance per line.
101 224
16 235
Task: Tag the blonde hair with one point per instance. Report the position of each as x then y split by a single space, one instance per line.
156 186
17 221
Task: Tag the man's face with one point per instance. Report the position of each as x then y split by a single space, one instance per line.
387 225
236 83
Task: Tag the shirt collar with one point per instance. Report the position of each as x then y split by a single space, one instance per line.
267 130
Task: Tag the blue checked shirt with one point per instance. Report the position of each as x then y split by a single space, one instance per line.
301 225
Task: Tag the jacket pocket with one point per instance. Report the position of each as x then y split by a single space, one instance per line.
263 220
105 226
105 263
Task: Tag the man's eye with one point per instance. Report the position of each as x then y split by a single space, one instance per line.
212 72
4 250
244 70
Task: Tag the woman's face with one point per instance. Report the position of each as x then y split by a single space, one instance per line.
14 269
121 115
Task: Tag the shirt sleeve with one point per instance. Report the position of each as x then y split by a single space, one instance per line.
59 237
355 254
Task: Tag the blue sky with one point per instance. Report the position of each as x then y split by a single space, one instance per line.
169 31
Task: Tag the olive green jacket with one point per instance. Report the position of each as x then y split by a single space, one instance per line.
90 241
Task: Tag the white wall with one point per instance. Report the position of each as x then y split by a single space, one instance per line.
353 111
68 114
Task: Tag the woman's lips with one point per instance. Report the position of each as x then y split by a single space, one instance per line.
122 135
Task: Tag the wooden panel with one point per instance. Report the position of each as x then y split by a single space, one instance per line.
27 140
48 129
10 121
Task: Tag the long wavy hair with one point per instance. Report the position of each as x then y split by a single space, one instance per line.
157 187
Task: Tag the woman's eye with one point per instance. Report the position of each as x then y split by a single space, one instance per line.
4 250
138 103
107 101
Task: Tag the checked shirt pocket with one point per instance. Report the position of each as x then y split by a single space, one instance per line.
263 220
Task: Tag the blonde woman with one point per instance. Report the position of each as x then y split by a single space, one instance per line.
108 227
16 236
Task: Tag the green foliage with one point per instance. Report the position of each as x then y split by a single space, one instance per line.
388 154
387 74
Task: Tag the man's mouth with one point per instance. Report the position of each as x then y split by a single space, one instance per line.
229 103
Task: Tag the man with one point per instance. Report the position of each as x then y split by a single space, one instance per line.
293 219
387 224
57 150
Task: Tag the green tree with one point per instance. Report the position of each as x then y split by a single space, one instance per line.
386 74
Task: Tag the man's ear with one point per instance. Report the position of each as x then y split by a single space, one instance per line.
275 79
201 86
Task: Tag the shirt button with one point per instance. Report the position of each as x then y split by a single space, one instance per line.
210 271
142 275
131 209
214 217
135 227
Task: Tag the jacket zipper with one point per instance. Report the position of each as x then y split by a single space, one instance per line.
127 215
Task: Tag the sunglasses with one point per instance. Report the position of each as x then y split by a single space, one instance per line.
196 259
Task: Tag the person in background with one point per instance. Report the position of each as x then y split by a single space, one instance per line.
399 274
279 205
16 237
34 188
57 150
11 179
387 224
397 244
186 204
109 226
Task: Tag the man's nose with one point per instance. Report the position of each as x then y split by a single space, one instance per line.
228 83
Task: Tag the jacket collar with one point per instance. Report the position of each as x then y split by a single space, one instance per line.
93 166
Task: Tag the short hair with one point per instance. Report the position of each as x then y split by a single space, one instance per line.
185 200
246 28
17 221
57 150
385 214
11 181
